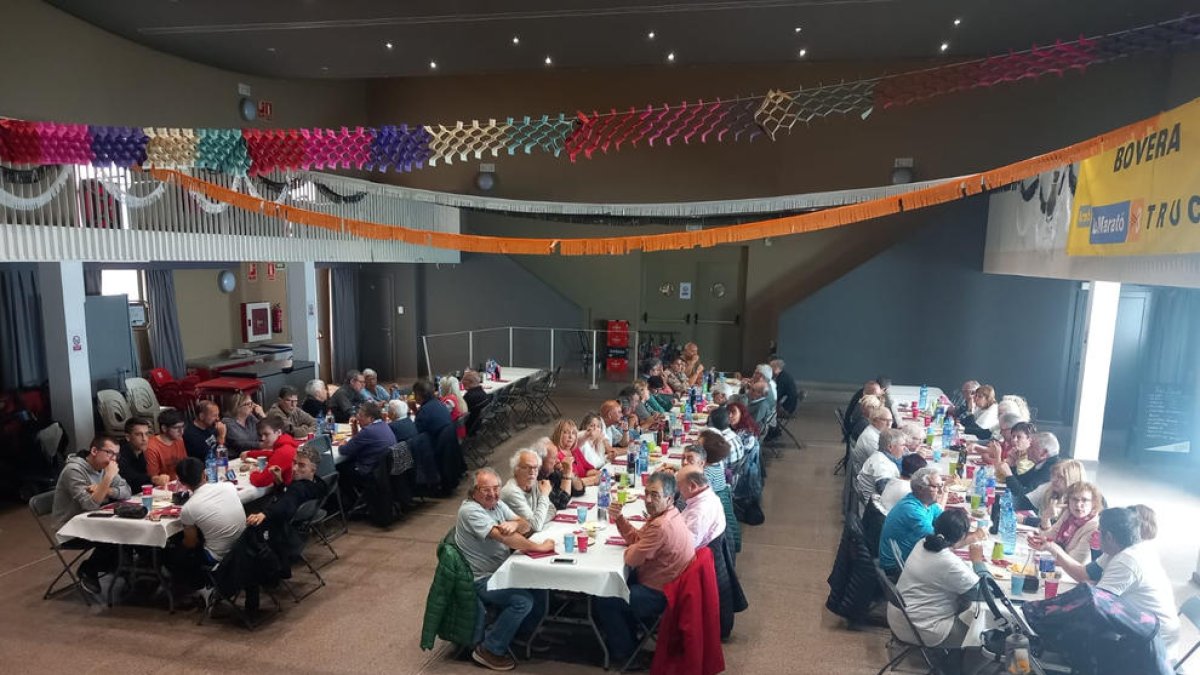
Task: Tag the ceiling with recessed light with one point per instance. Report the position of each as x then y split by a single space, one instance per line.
378 38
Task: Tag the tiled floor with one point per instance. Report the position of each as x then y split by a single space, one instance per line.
369 616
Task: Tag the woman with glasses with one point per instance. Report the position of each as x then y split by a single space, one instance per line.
241 423
1071 536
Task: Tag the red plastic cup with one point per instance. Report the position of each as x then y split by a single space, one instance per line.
645 478
687 426
1051 587
970 471
581 542
147 490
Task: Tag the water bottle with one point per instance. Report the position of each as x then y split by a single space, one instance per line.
990 491
222 460
631 465
330 424
210 466
603 499
947 432
1008 524
924 397
643 459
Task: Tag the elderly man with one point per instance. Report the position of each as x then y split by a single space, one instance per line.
676 376
720 393
761 404
132 460
486 532
693 369
1135 572
882 464
527 496
348 397
88 481
703 514
316 395
785 386
880 418
475 397
372 442
206 432
616 425
911 519
870 387
372 390
658 553
964 401
397 414
432 416
296 423
1043 452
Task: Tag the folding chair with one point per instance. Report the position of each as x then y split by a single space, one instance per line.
784 418
842 463
330 479
41 506
894 599
896 554
216 598
1190 610
305 521
648 632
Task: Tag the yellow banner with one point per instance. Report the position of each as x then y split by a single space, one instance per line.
1142 197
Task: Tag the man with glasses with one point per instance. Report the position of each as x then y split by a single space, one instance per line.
88 481
348 397
911 519
486 533
658 553
296 423
165 449
527 496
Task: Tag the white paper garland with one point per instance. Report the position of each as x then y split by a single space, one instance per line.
9 200
130 200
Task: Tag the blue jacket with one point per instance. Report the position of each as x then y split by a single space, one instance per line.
432 416
404 429
368 446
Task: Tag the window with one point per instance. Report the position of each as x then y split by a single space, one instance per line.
122 282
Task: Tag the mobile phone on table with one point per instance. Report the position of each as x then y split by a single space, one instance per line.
564 561
101 514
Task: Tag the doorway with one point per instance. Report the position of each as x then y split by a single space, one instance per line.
1133 316
376 341
697 296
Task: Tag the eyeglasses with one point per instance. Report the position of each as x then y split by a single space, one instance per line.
290 400
650 494
529 467
110 453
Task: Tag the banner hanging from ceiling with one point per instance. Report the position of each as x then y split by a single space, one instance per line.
1143 196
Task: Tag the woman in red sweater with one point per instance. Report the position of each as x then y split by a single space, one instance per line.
279 449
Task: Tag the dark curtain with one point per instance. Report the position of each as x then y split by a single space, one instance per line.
1174 332
344 281
22 344
91 281
166 342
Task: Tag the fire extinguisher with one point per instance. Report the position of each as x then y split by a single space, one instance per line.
276 318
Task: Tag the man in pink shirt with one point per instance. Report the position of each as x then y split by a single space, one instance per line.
658 554
704 514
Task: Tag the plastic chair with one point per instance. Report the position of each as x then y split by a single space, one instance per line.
114 411
1190 610
41 506
143 401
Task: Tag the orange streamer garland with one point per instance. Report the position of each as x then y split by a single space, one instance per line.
951 190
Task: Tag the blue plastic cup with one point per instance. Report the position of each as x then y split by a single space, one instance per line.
147 502
569 542
581 512
1018 584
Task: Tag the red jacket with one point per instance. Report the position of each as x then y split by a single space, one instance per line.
282 454
689 635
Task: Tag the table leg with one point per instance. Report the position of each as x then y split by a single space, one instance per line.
537 629
112 587
164 584
591 619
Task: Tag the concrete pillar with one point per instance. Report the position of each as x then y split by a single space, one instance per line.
302 311
1100 327
65 329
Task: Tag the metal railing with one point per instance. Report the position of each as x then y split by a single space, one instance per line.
523 347
115 214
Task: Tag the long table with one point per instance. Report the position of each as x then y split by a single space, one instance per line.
510 375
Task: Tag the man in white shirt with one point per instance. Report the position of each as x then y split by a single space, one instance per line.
884 463
527 496
616 426
704 514
879 418
213 520
1135 572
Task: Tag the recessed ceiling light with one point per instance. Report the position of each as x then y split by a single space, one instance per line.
797 29
388 45
433 65
324 69
945 46
958 22
650 35
271 49
549 61
516 40
671 57
803 53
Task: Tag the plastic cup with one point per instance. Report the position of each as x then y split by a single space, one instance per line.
970 471
1050 586
998 551
953 470
581 513
147 490
581 542
262 463
1018 584
645 478
687 426
569 542
975 501
147 501
622 496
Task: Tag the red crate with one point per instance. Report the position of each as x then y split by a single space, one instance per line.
618 326
616 365
618 340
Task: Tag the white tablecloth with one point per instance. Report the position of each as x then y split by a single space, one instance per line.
599 572
909 394
508 375
114 530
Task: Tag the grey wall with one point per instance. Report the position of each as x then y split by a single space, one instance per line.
923 312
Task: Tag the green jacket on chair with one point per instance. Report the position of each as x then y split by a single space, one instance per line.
452 606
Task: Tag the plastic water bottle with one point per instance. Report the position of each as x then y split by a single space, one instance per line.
1008 524
643 458
210 466
603 499
923 399
947 432
222 461
990 491
330 424
631 465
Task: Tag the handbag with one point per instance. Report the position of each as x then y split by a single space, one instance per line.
134 511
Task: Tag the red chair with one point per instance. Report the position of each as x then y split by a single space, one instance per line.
161 378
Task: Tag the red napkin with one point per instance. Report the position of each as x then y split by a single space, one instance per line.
577 504
566 518
167 512
616 541
637 518
539 554
620 461
675 455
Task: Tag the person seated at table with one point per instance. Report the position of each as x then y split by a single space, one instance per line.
166 448
277 515
964 401
1016 405
652 405
1050 497
987 414
785 386
559 469
279 449
716 452
241 423
999 448
897 488
883 464
450 394
868 404
373 441
372 390
213 520
206 432
348 397
476 397
616 425
432 415
1043 452
486 532
914 438
854 410
649 414
720 393
911 519
132 458
1090 572
718 420
939 591
760 403
703 513
676 376
297 423
592 450
88 481
397 414
1071 535
657 554
527 496
691 364
650 367
316 396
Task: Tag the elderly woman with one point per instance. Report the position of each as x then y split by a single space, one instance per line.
315 395
716 452
915 437
652 404
862 416
1016 405
1071 535
398 421
1051 498
720 393
986 415
692 367
999 449
241 423
451 395
719 419
676 376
